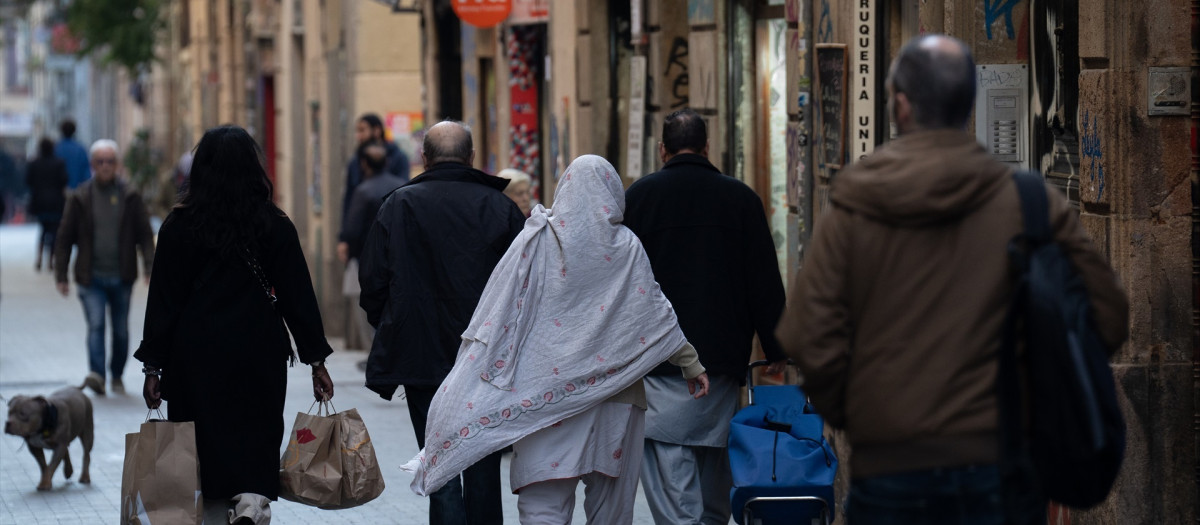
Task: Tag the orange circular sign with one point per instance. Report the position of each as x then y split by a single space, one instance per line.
482 13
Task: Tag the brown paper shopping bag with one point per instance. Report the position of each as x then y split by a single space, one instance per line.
330 461
362 481
310 471
160 483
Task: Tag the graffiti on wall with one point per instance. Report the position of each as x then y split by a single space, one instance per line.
1093 152
994 9
520 48
825 24
676 73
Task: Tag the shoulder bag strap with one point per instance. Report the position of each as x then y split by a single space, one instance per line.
257 270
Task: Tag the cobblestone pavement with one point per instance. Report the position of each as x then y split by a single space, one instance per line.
42 349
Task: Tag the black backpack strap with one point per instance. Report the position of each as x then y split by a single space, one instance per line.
1016 469
1035 209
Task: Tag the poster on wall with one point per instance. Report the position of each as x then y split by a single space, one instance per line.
521 43
831 96
403 127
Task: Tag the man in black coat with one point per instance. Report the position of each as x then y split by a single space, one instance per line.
377 184
424 265
707 238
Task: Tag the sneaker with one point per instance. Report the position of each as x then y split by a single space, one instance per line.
117 386
95 382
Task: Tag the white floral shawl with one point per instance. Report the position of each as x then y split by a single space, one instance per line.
570 316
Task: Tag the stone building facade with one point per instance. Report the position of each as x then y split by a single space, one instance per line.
1098 95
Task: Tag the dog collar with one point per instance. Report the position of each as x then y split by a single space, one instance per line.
49 419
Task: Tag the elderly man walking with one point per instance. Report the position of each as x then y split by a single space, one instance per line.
107 221
424 265
712 253
896 318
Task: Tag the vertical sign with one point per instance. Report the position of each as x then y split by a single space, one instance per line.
831 99
637 117
863 125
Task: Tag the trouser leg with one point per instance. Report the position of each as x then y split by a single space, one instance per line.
446 503
611 500
550 502
481 491
94 299
118 305
716 481
670 477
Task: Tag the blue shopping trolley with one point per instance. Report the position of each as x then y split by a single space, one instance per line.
782 466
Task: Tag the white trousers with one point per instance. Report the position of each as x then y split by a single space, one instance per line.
606 500
686 485
245 505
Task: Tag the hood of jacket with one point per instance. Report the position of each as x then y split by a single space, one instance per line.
921 178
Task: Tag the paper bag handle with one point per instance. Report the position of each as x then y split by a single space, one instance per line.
324 407
161 417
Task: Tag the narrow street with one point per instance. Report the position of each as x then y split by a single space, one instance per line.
42 349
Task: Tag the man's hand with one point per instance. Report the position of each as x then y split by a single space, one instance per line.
777 367
343 252
151 392
702 380
322 384
64 288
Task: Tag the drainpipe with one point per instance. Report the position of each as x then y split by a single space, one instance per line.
1195 144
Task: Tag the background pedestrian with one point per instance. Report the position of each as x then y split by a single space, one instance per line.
427 258
46 178
707 238
73 154
896 318
107 221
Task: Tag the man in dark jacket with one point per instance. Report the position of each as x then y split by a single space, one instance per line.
424 265
108 222
368 197
369 128
896 318
47 178
708 241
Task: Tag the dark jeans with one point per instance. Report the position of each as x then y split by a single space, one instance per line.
49 230
475 500
110 292
960 496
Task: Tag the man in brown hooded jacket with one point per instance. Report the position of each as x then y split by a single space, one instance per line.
897 315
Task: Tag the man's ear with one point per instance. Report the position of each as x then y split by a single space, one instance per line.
903 111
705 151
471 158
662 153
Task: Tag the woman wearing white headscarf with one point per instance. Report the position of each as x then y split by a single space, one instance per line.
552 361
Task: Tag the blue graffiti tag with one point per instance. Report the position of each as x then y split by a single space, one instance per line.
992 9
1092 150
825 24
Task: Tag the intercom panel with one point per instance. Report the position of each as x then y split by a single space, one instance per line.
1001 112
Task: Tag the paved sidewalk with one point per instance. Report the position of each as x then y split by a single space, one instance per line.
42 349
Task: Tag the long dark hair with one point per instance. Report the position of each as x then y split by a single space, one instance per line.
229 194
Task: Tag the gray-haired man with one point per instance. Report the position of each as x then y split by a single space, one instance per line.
107 220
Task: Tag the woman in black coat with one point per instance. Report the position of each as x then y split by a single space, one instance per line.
216 347
46 178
